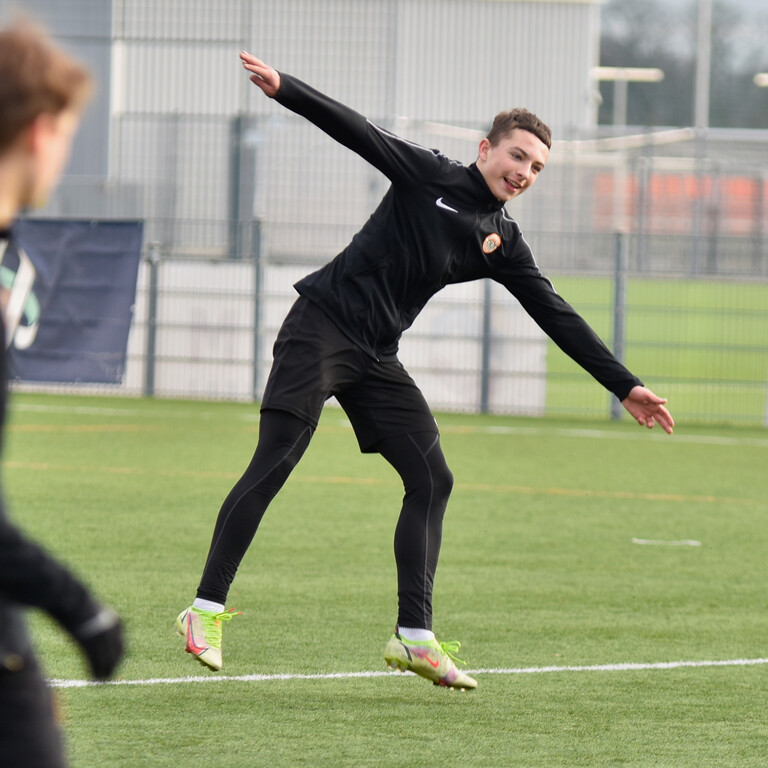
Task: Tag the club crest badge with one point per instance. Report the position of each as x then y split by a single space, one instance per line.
491 243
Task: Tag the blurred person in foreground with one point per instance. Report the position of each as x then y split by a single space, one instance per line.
440 223
42 94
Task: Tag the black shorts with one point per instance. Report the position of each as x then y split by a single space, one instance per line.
314 360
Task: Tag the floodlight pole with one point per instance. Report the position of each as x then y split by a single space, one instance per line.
703 65
701 113
620 88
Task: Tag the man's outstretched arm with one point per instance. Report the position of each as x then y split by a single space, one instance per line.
396 158
560 321
29 576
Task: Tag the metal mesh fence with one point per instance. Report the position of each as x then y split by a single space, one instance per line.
241 198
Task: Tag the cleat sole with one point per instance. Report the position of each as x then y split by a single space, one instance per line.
205 664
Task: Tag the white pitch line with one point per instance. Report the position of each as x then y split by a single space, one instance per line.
623 667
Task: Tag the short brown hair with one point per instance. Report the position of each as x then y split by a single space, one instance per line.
506 122
36 77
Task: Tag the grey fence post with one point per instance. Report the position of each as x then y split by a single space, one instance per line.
242 181
485 365
619 310
257 304
153 262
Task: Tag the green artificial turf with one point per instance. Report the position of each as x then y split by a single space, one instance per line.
702 344
541 578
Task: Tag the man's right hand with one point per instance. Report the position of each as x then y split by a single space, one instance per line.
263 75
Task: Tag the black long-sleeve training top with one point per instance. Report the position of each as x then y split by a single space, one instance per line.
438 224
29 577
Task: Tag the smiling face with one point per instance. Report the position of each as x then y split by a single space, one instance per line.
513 164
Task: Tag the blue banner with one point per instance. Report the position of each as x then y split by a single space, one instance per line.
68 292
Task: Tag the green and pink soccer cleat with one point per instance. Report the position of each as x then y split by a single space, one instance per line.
202 633
429 659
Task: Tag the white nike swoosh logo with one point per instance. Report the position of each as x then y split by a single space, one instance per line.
440 204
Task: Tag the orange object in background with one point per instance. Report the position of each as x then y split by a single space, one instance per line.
732 205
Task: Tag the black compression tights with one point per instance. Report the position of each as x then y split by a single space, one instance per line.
419 460
283 438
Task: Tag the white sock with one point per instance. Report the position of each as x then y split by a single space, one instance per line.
417 635
208 605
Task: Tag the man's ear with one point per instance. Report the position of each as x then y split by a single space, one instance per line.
482 150
35 132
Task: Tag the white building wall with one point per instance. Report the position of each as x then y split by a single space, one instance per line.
399 62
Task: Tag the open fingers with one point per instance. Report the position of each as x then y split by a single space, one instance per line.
267 78
664 419
660 416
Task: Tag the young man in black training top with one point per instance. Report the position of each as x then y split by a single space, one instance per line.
42 94
440 223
